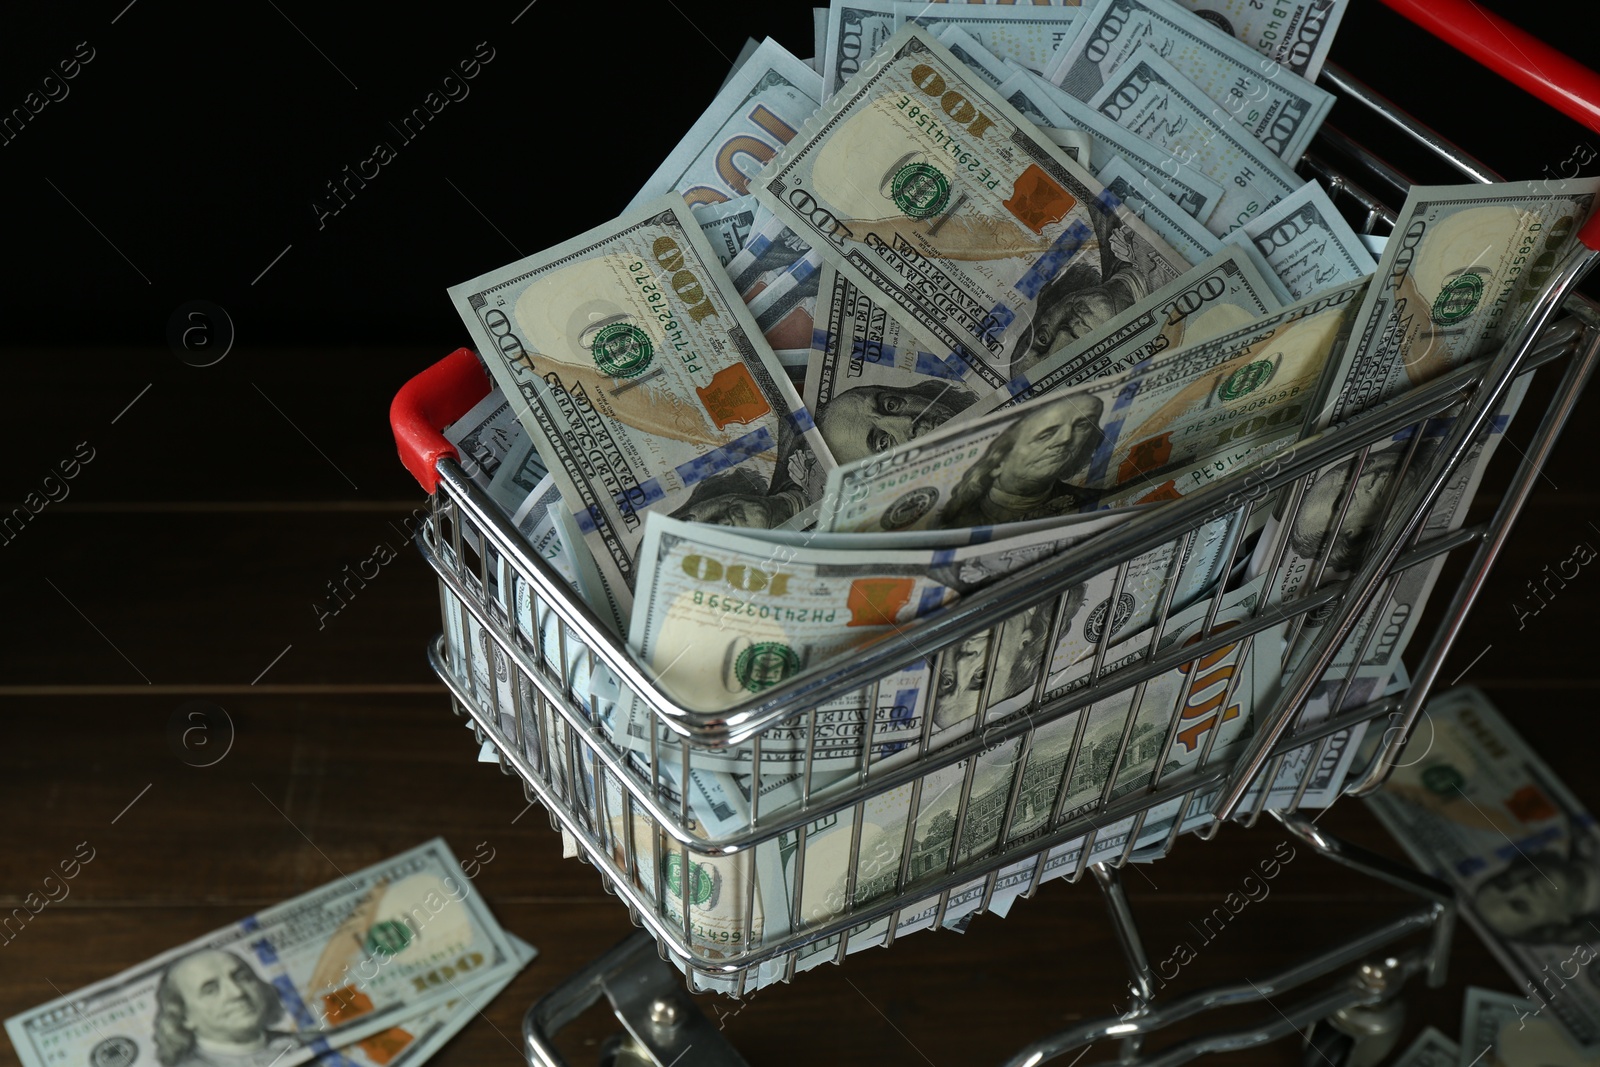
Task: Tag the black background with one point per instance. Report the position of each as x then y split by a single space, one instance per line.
189 152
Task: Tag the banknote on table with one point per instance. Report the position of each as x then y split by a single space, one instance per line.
1480 810
943 203
1279 108
1029 35
727 225
749 119
1460 272
1431 1049
1297 34
1223 294
1149 97
856 30
1306 243
646 383
1180 421
338 964
413 1040
1500 1030
1193 192
484 436
722 616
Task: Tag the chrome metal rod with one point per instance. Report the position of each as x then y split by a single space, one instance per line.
1555 418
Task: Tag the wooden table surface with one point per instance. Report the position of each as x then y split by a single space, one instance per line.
184 567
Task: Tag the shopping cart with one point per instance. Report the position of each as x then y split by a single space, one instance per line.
515 681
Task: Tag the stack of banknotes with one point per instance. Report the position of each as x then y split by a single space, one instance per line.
378 967
972 286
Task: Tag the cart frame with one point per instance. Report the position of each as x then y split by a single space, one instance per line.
553 737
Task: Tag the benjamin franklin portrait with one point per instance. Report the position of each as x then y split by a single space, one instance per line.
869 419
1319 509
213 1010
1027 472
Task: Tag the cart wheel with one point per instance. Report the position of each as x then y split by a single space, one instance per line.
1326 1046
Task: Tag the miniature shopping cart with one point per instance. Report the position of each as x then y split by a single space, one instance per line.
518 684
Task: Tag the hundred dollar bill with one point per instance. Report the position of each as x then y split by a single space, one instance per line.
1183 419
336 965
1066 769
1158 211
413 1040
1297 34
728 225
747 50
1075 143
1306 243
1335 524
1149 97
1500 1030
1029 35
1022 90
751 117
819 36
647 383
484 436
1223 294
1460 272
868 383
1430 1049
722 616
518 476
1011 81
856 30
1193 192
971 51
1280 109
1034 106
776 274
1474 805
939 200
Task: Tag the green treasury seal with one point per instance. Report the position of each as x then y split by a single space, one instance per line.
920 190
765 664
1246 380
622 350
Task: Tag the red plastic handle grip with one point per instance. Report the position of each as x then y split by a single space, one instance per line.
1520 58
428 403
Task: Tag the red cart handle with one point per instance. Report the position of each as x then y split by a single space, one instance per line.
1520 58
428 403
